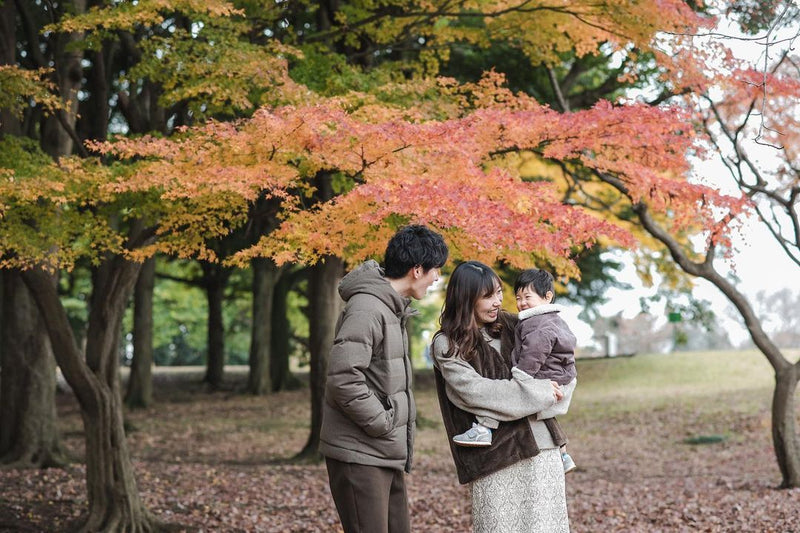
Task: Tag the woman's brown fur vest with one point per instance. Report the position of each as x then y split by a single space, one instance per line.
512 441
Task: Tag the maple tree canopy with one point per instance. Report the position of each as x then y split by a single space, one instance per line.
446 173
427 150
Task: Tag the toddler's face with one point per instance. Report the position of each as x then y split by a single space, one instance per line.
528 298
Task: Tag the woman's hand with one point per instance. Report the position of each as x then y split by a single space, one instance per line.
557 392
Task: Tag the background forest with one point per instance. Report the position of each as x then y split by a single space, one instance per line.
185 182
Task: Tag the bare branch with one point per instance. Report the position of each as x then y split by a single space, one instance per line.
703 270
562 103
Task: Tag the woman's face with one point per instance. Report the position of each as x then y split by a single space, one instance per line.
488 306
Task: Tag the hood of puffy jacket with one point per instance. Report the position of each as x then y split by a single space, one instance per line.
368 278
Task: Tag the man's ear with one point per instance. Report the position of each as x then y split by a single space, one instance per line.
417 271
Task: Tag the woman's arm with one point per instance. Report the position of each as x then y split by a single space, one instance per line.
501 399
561 407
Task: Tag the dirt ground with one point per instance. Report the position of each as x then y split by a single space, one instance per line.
220 462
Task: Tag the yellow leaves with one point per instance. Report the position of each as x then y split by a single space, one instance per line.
127 14
543 29
18 87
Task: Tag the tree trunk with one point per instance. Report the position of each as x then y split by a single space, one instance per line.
140 381
265 275
58 129
114 502
9 123
282 377
94 111
28 433
215 281
784 435
324 306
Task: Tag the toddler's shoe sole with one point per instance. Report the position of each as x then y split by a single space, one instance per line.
472 443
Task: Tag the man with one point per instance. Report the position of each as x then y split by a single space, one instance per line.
369 412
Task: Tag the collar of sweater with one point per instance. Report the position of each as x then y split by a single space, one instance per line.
539 310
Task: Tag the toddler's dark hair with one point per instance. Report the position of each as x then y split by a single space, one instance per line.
539 280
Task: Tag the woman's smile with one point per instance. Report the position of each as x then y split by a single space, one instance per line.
487 307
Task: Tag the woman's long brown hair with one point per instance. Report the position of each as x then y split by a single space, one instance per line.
469 282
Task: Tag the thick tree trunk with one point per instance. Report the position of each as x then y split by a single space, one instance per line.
324 307
140 382
279 342
215 279
265 275
94 111
114 502
784 434
282 377
28 433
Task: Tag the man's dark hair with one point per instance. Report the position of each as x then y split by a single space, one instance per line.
411 246
540 281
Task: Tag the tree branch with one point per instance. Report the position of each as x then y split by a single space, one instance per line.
562 103
706 271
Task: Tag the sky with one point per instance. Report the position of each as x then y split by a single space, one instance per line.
759 263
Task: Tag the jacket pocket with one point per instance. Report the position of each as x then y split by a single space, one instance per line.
383 422
399 404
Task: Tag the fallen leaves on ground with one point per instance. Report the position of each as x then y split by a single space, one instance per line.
220 462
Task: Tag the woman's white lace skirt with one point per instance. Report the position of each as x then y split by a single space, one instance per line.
526 497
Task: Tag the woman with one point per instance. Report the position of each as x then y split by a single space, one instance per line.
517 483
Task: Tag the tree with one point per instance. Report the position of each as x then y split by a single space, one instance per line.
771 183
725 105
28 432
145 101
737 112
140 380
425 150
281 344
725 95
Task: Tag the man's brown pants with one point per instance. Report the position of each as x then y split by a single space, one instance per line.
369 499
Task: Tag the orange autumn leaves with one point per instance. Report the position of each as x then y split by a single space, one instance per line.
447 173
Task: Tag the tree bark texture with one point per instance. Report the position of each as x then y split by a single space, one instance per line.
58 130
140 382
784 431
265 275
324 308
9 123
28 431
113 497
94 111
282 377
215 280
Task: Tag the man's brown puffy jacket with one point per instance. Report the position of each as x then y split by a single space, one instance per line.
368 414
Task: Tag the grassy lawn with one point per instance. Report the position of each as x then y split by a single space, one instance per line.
688 380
